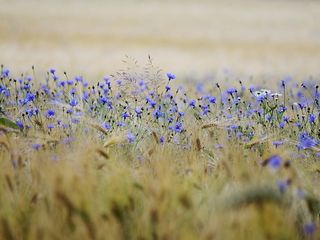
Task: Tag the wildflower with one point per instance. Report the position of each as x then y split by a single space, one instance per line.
312 118
309 228
282 185
162 139
306 141
125 115
106 125
131 138
78 78
177 127
52 71
281 125
231 91
168 88
29 97
138 111
73 102
212 99
36 146
171 76
277 143
192 103
274 161
5 72
50 113
50 126
19 124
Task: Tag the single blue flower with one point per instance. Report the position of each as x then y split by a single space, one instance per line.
162 139
50 113
36 146
125 115
309 228
282 185
19 124
171 76
306 141
192 103
131 138
73 102
312 118
274 161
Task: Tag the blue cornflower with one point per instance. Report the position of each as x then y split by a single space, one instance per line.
36 146
282 185
73 102
19 124
106 125
192 103
274 161
5 72
157 113
178 128
212 99
50 113
138 111
125 115
61 84
231 90
312 118
131 138
277 143
168 88
50 126
78 78
309 228
29 97
70 82
281 125
171 76
52 71
306 141
162 139
151 102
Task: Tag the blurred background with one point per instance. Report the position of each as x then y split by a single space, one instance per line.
250 37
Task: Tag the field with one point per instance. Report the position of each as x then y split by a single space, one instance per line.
159 120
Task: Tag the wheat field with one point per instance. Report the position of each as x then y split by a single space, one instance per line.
160 119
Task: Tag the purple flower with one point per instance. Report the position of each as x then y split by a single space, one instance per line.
162 139
131 138
277 143
306 141
177 127
52 71
312 118
282 185
36 146
50 126
171 76
125 115
106 125
19 124
309 228
274 161
50 113
192 103
73 102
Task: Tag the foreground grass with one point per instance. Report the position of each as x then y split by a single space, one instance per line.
205 179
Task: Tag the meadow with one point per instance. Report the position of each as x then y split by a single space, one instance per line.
208 129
